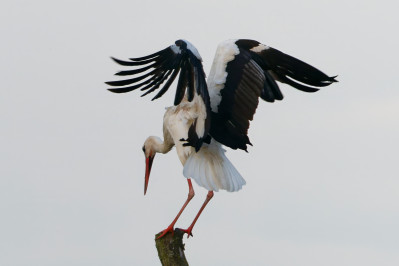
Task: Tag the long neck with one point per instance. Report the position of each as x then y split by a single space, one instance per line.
160 146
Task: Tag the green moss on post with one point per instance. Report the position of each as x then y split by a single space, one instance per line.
171 249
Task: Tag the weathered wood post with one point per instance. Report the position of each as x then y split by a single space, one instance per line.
171 249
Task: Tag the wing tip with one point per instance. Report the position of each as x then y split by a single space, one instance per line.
116 60
120 90
332 79
120 73
120 62
113 83
114 90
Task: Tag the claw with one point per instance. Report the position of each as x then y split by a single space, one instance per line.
187 231
164 232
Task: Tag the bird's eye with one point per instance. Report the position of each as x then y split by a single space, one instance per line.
143 149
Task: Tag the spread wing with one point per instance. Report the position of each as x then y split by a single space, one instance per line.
244 71
162 68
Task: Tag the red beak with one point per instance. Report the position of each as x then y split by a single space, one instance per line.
148 165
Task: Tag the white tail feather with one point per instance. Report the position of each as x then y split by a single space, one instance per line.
211 169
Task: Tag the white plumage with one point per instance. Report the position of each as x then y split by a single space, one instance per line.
225 52
211 169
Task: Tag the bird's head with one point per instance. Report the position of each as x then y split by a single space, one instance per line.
149 153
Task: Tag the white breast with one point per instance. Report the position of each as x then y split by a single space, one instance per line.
177 121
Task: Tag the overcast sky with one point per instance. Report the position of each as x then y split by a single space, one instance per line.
322 176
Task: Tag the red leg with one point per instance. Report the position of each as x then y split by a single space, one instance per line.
189 197
208 198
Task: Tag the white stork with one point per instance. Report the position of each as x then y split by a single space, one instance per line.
216 112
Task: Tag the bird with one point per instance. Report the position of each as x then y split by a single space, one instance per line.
209 114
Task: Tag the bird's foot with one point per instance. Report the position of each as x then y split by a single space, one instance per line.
167 230
197 143
187 231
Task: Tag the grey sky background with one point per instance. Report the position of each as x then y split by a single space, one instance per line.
322 176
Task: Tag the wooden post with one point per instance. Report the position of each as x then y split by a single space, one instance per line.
171 249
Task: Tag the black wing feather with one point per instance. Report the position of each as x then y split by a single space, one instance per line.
271 91
160 53
124 82
181 85
287 69
163 77
130 63
167 84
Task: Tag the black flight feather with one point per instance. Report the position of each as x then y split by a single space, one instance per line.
162 52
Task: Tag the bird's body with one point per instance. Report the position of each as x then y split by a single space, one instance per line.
209 167
207 114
